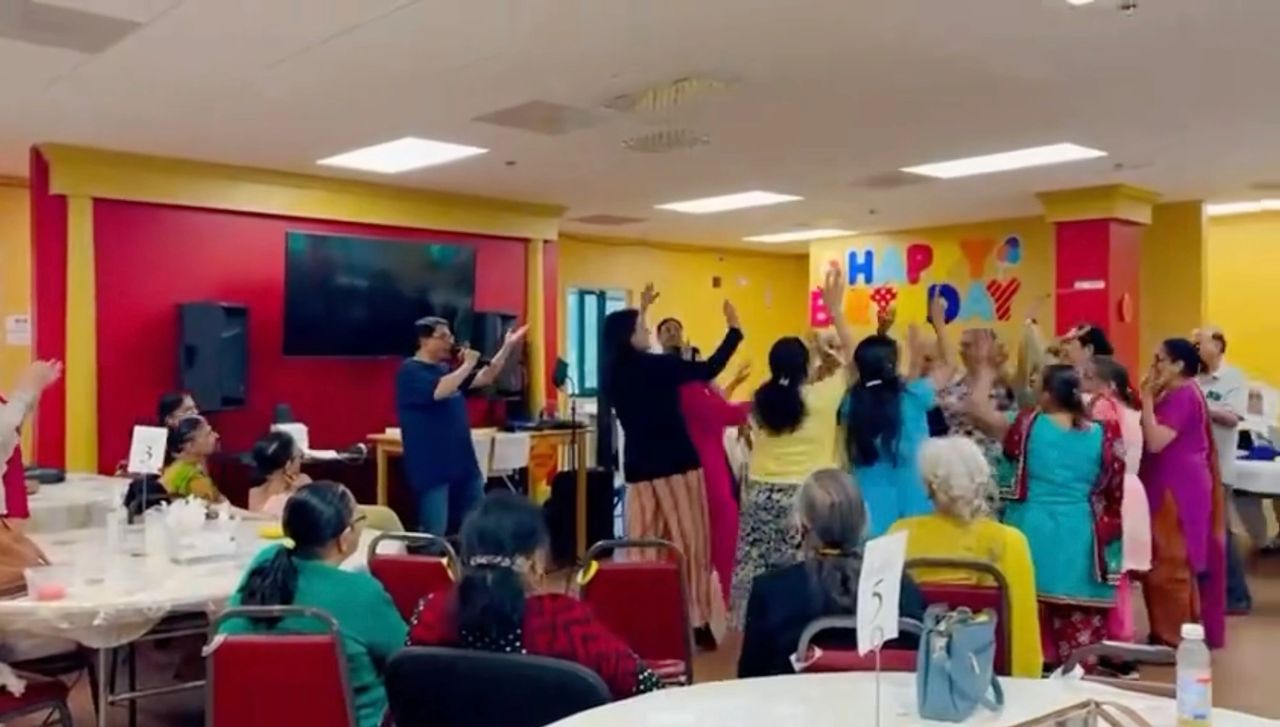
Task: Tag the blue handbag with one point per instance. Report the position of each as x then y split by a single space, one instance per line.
955 667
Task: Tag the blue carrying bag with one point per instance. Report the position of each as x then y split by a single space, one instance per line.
955 668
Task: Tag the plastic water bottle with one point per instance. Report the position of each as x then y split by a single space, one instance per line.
1195 679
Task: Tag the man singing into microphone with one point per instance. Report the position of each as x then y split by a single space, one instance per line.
439 458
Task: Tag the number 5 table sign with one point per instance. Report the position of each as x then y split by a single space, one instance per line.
146 450
879 588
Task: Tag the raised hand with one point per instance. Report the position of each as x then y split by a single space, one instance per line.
938 311
648 296
731 315
469 356
833 289
885 318
1037 305
40 375
517 335
743 373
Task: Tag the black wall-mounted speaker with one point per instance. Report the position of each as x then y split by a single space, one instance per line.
213 354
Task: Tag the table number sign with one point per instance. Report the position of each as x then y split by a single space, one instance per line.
146 450
879 587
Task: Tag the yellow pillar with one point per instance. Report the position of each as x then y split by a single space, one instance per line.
15 282
82 340
1174 273
536 318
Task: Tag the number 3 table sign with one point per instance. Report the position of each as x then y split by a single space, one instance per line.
146 451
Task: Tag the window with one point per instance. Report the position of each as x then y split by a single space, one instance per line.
584 318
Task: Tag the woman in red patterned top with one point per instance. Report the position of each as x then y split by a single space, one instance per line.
497 607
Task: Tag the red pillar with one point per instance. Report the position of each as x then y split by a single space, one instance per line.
1097 280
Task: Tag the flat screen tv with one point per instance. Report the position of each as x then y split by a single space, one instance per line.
359 296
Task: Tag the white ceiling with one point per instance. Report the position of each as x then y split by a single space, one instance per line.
1183 93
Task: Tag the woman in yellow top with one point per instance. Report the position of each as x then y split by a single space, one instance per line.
957 477
191 442
793 435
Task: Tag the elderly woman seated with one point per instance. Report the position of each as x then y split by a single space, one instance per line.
957 477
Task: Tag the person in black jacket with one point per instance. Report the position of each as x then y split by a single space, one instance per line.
666 497
833 523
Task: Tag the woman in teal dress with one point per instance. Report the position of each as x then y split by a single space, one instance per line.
323 524
886 420
1066 501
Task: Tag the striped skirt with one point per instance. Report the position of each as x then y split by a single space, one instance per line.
675 508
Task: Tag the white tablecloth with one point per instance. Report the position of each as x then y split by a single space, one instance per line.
848 700
115 598
75 503
1258 476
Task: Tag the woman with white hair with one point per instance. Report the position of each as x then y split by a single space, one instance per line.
958 479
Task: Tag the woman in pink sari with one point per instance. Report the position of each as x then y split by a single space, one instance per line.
1187 582
1112 398
707 413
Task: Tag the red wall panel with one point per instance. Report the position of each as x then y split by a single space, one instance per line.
150 258
49 279
1081 257
1125 265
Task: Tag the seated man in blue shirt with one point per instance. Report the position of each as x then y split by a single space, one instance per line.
439 458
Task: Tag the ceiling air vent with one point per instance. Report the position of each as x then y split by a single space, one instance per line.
666 140
54 26
541 117
666 97
890 180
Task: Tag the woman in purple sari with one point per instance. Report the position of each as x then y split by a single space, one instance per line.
1187 581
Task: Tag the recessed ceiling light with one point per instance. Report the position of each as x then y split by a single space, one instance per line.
1078 3
401 155
1222 209
801 235
727 202
1036 156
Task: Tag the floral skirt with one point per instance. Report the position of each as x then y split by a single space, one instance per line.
768 538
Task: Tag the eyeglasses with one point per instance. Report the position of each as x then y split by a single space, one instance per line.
358 520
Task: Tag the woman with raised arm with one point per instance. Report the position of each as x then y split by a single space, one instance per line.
666 494
1065 500
1188 580
886 420
794 433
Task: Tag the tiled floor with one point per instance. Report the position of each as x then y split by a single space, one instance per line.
1243 676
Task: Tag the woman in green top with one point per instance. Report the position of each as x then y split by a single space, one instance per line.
191 442
323 523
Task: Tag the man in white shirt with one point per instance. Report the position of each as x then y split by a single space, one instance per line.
1227 393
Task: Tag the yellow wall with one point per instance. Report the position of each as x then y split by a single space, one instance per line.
768 290
15 277
1242 273
1174 281
1034 271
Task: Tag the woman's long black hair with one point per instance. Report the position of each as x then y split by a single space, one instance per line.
180 434
273 453
619 327
779 407
314 517
499 541
875 403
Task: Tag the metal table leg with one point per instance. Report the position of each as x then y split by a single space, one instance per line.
104 686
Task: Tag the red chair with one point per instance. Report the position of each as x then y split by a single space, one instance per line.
644 602
810 659
408 577
40 695
975 598
274 678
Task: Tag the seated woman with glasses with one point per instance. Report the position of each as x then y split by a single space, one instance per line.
499 606
323 525
833 527
958 478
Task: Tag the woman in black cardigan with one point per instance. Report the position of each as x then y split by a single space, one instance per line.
666 497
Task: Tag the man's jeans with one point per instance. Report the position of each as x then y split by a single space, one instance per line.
442 508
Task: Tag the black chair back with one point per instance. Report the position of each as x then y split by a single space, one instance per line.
143 494
439 687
